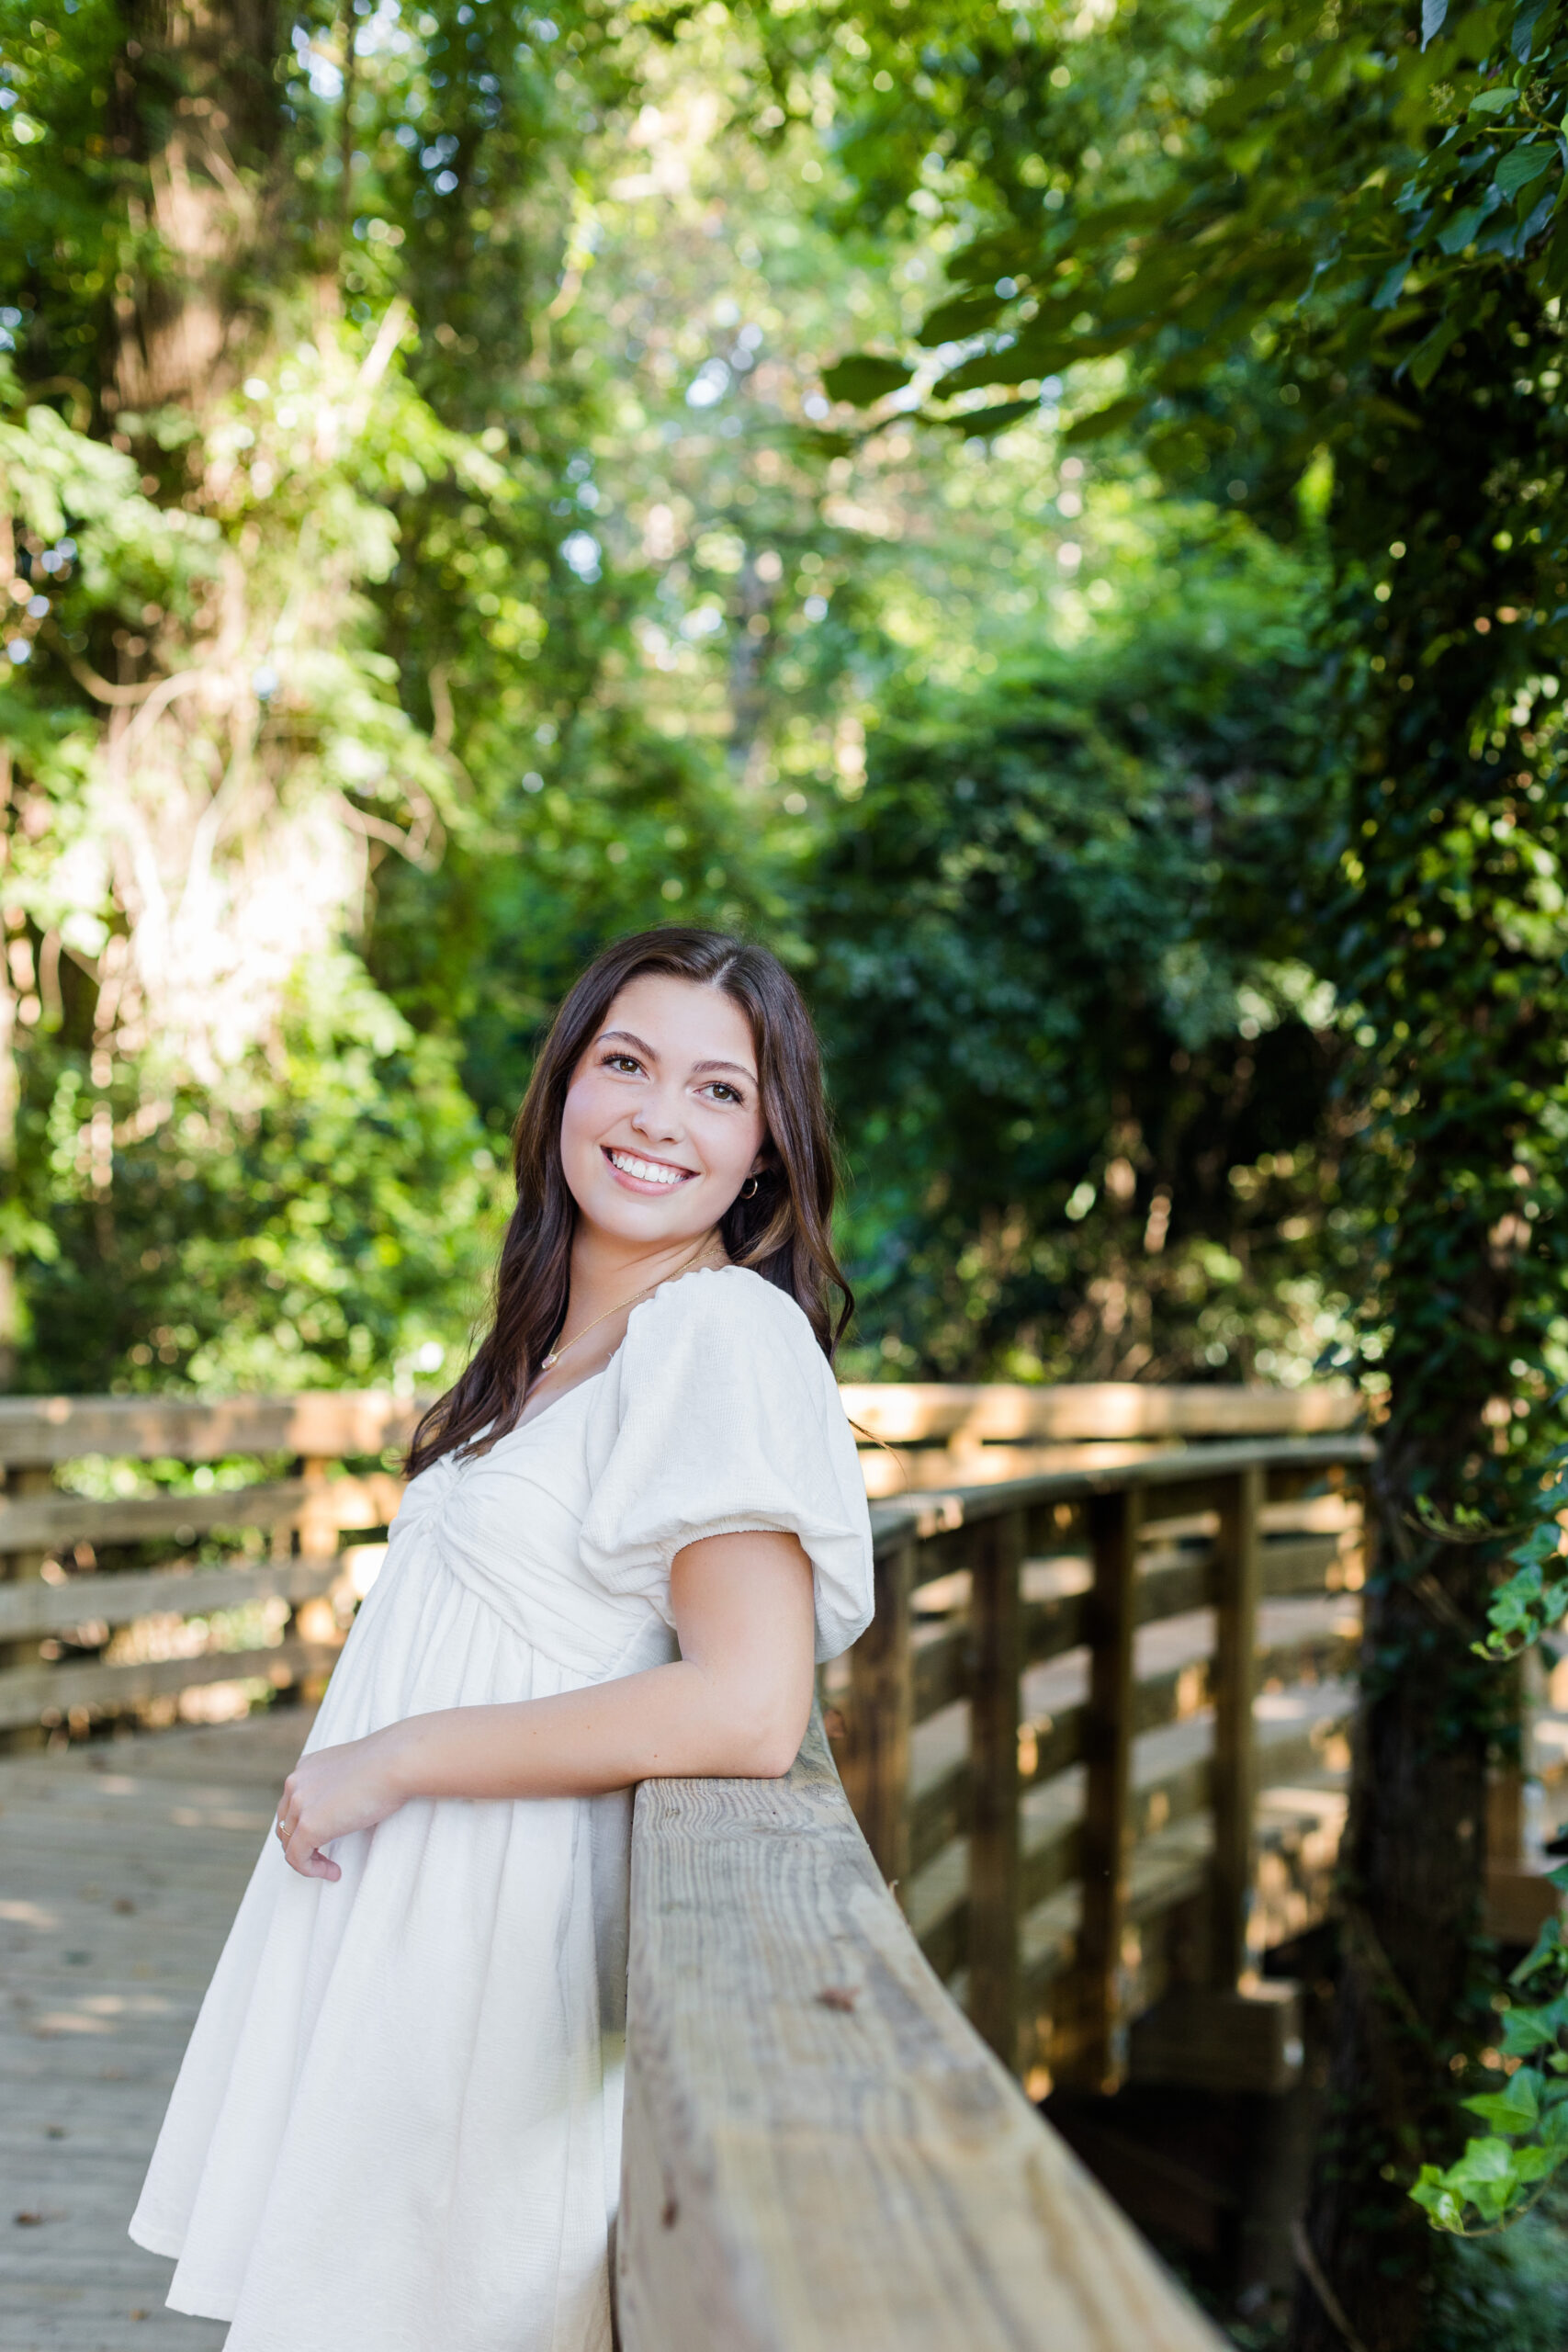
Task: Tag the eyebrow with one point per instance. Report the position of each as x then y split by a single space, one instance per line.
630 1037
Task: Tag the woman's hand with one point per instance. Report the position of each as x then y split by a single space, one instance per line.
331 1794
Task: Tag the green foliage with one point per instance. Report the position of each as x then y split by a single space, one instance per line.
528 602
1503 2175
314 1228
1531 1601
1507 2291
1083 1067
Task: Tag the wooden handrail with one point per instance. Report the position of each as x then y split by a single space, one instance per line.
351 1422
819 2152
1187 1477
1006 1413
369 1421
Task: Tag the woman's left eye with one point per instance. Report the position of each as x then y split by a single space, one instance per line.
724 1093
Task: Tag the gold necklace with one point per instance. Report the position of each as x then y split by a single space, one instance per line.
549 1364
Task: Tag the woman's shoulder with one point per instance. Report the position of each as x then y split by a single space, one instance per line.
730 1306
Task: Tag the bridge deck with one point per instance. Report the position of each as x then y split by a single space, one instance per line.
120 1867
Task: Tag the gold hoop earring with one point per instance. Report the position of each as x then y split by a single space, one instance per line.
748 1190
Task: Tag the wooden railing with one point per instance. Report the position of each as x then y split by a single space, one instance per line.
819 2146
921 1435
199 1547
155 1548
819 2152
1100 1702
1051 1738
1047 1735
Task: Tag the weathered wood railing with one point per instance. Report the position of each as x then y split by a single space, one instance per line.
942 1434
1051 1739
151 1547
200 1544
818 2149
819 2152
1088 1694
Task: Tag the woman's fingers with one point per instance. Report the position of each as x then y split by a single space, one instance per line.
301 1843
303 1853
333 1793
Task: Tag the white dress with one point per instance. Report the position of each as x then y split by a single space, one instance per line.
397 2126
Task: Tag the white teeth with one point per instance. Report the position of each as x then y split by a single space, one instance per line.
647 1172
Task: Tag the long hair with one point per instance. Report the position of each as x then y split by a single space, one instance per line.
783 1232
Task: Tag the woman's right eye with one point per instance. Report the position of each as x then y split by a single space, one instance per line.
621 1061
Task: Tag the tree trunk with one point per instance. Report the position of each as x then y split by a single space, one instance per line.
205 190
1411 1879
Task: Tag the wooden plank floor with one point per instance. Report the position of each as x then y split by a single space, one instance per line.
120 1867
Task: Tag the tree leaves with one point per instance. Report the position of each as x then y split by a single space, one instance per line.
1499 2177
864 377
1523 165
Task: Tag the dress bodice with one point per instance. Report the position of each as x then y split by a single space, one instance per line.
717 1414
508 1524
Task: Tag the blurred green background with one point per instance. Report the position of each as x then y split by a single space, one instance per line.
435 553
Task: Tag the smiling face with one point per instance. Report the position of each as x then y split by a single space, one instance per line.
663 1120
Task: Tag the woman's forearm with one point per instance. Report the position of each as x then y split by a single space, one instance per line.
672 1722
735 1706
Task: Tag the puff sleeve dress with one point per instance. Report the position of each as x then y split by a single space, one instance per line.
397 2127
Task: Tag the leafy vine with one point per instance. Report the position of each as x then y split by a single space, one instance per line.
1504 2171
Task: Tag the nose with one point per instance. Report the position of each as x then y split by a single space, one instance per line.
658 1116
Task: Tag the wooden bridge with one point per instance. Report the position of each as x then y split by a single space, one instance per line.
1095 1739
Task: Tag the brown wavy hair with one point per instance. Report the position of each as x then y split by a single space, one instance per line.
784 1232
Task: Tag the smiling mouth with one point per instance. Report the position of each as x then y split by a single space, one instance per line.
647 1171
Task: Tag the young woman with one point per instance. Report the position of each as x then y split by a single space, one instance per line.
397 2126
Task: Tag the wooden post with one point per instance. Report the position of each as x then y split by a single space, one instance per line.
996 1562
1237 1585
23 1480
316 1535
882 1698
1115 1525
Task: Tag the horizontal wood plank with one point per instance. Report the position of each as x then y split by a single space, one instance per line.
940 1669
1051 1627
1047 1868
204 1429
28 1693
915 1413
819 2152
1294 1563
939 1813
1174 1586
53 1522
33 1608
1175 1484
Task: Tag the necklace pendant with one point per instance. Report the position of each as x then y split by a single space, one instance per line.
547 1363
